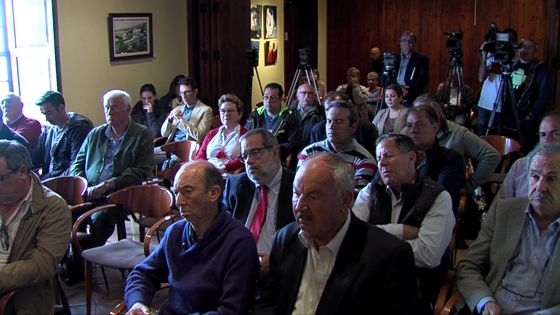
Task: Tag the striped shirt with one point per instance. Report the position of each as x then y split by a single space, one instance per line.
360 159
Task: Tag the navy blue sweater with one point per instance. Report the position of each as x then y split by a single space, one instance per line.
217 274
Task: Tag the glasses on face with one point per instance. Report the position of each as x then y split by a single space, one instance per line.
227 111
113 108
306 92
553 133
418 125
270 98
5 177
256 153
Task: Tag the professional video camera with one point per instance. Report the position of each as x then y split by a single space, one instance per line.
499 44
454 44
389 61
304 56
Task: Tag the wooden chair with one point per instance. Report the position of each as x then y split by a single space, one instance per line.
4 300
506 147
185 150
447 299
121 307
70 188
146 200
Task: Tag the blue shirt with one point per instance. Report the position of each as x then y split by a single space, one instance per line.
181 135
113 145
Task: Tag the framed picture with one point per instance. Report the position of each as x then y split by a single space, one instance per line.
256 21
130 36
270 28
270 53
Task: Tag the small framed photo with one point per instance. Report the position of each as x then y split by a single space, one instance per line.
130 36
256 21
270 27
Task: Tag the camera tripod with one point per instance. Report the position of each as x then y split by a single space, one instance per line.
387 78
454 80
505 93
253 59
303 68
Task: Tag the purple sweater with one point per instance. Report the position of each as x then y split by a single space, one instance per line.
215 275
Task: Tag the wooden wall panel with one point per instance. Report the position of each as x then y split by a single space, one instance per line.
361 24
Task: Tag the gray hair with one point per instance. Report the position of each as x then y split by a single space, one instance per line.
11 96
15 154
116 94
403 142
342 171
267 137
546 149
228 97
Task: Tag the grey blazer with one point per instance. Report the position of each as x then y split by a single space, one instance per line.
481 270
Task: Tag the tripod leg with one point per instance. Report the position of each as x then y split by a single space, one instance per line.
293 86
312 82
497 102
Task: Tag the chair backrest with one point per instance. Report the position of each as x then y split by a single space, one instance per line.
4 300
70 188
149 200
185 150
504 145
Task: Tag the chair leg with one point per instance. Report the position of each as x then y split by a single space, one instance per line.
105 278
88 287
62 296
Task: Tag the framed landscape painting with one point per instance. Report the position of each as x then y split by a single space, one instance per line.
130 36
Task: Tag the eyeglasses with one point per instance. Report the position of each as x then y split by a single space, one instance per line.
114 108
270 97
5 177
554 133
418 125
227 111
256 153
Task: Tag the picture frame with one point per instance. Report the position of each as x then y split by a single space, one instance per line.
270 22
256 21
130 36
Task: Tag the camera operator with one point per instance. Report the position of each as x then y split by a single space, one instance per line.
489 73
413 72
531 85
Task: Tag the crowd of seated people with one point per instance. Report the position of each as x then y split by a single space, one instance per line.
303 209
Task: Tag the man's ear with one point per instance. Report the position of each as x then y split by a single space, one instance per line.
214 193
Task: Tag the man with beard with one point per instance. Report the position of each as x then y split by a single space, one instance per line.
513 266
260 197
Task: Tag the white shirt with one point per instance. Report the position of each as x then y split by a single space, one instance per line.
264 244
435 230
318 267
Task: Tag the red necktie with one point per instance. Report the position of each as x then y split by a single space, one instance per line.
260 214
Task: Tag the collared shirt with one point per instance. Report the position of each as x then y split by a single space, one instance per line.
526 277
402 69
318 267
271 123
113 145
435 231
268 230
187 112
12 224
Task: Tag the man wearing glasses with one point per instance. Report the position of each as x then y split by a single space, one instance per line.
414 68
34 232
192 119
516 183
261 197
276 117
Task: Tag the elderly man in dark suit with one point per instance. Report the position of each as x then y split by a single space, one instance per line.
261 197
514 265
329 261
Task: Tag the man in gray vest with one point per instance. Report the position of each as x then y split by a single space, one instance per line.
413 208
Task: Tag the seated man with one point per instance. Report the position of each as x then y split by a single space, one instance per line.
276 117
342 122
113 156
209 259
309 110
59 144
261 197
365 134
192 119
440 164
28 128
463 141
516 182
328 261
413 208
513 265
356 93
6 133
34 232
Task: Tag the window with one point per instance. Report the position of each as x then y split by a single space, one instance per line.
27 51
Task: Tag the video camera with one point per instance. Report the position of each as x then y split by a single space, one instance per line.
389 62
499 44
454 44
304 57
